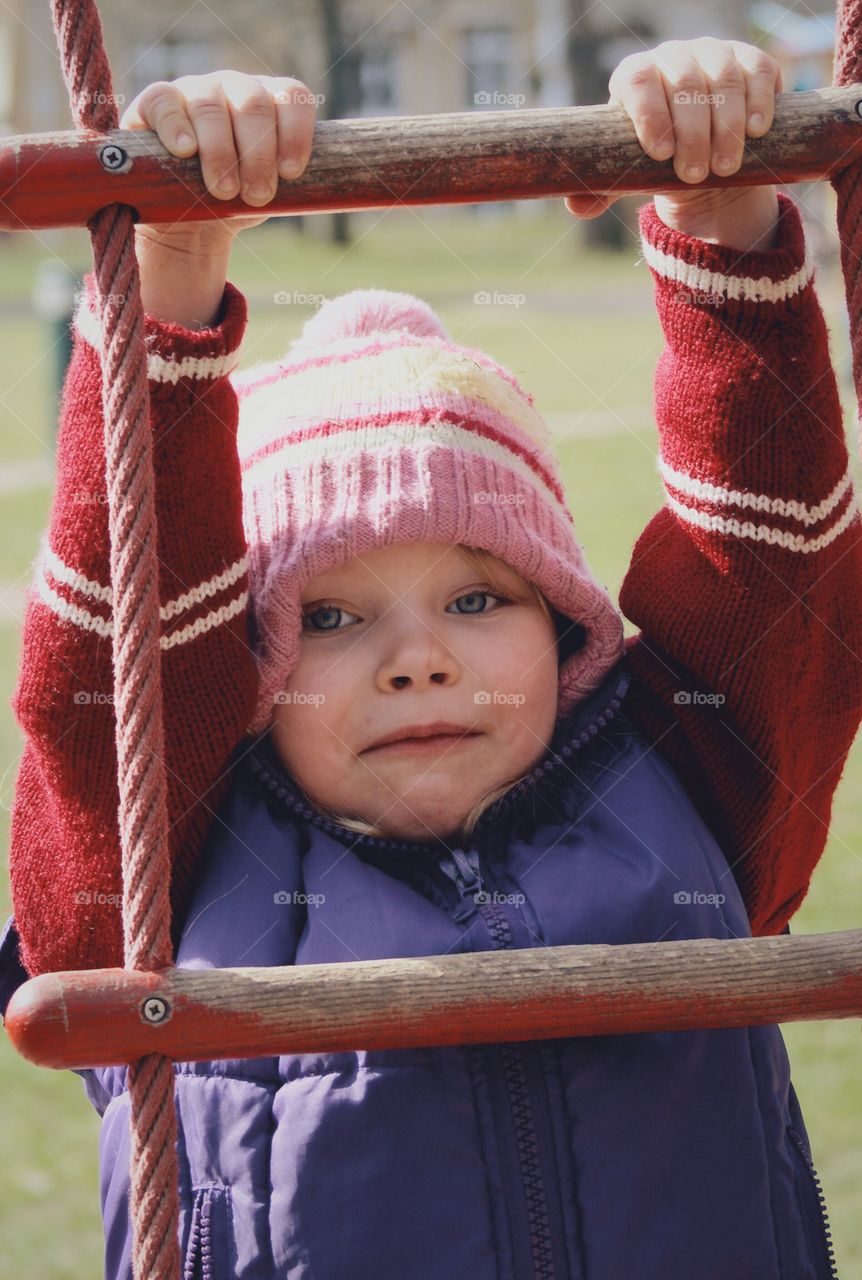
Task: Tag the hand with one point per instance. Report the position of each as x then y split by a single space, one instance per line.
248 130
695 100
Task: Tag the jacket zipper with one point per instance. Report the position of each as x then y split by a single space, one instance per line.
199 1259
464 869
821 1201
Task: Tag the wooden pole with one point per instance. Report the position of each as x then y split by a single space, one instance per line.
111 1016
62 179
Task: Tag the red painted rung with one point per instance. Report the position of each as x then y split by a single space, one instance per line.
111 1016
63 179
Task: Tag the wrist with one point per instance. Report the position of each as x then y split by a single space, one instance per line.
183 273
184 238
741 218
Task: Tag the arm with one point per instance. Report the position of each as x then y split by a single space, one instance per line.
65 857
748 583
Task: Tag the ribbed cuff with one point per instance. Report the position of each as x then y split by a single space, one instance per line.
173 351
713 275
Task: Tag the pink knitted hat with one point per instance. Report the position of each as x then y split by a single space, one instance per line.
376 429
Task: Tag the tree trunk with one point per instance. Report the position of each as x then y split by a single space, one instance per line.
342 90
590 73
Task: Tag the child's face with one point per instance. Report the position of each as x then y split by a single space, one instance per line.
404 636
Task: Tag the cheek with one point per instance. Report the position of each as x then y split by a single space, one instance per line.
305 735
535 675
526 658
314 698
322 673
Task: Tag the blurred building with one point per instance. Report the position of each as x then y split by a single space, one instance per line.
803 42
400 58
379 57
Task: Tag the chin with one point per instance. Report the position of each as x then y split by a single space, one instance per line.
426 827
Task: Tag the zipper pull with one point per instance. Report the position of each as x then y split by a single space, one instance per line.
463 869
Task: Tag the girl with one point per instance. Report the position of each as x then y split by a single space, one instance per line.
402 721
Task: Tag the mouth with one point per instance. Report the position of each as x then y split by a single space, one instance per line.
434 742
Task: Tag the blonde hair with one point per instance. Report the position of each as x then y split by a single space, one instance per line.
485 564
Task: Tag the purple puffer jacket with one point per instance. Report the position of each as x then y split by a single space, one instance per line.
633 1157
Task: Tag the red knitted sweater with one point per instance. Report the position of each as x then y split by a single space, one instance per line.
746 587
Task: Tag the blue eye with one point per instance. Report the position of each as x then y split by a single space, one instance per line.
475 595
324 609
312 621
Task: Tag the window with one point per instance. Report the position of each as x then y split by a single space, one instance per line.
168 59
377 83
489 57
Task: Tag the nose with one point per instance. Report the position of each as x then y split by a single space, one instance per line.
416 657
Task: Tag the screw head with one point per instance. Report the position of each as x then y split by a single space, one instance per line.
154 1009
112 157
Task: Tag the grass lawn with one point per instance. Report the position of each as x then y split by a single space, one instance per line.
581 332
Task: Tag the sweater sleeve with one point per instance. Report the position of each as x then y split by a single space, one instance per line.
747 584
65 859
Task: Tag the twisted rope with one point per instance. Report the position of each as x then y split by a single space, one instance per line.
847 69
143 816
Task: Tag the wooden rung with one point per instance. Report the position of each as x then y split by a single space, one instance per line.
63 179
111 1016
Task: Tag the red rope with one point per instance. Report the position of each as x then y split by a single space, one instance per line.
143 817
848 183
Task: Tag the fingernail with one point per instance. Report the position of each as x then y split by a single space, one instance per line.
724 162
185 140
260 191
226 186
663 150
291 168
755 120
694 172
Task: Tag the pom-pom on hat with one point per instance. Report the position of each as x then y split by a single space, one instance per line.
374 429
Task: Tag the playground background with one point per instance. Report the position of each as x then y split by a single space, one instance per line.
579 328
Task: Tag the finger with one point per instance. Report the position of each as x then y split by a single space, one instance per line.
763 80
589 206
636 85
161 107
690 108
296 110
208 110
726 97
255 130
